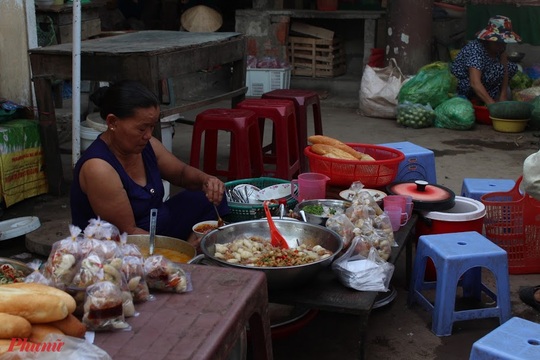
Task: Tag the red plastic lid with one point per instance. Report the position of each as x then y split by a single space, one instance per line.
430 197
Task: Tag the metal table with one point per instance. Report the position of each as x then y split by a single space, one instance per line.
325 292
151 57
202 324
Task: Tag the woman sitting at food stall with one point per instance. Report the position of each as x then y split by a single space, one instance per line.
482 67
119 177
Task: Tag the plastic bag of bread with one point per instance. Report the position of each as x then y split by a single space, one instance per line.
103 309
165 275
61 264
37 276
133 270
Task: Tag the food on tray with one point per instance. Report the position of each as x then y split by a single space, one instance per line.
165 275
11 274
256 251
333 148
14 326
205 228
322 210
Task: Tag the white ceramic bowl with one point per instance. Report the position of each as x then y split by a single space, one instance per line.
210 224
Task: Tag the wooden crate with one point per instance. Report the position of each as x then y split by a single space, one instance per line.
316 57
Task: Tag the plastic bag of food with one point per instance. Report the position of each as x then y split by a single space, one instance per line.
101 230
520 81
165 275
432 85
362 273
456 113
36 276
61 264
527 94
343 226
133 270
129 249
416 116
90 271
103 308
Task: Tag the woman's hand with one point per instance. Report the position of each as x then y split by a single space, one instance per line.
214 189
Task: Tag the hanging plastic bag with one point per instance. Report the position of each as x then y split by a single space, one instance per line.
416 116
456 113
379 89
433 84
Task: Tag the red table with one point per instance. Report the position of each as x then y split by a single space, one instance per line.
202 324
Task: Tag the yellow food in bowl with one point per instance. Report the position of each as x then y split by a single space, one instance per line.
173 255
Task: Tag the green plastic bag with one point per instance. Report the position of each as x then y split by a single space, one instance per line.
433 84
456 113
416 116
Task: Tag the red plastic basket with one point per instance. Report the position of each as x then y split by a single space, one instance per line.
373 174
512 222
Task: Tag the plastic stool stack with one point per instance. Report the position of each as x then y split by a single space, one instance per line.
245 156
516 339
303 99
283 153
419 163
475 188
459 258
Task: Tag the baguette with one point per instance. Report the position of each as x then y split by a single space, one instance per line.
331 152
13 326
39 331
326 140
44 289
34 307
321 139
70 326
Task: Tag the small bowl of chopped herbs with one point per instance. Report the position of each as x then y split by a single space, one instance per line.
319 210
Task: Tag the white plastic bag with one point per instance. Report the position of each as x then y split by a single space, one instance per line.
361 273
379 89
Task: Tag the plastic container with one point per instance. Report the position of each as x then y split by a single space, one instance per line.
419 163
260 81
466 215
88 135
512 221
509 125
310 186
481 114
373 174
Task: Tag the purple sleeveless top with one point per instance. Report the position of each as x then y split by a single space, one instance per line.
176 216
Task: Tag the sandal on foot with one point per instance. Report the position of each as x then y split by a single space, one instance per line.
526 294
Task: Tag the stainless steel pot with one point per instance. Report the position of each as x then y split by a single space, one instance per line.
295 232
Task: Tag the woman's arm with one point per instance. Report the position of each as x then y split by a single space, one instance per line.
181 174
108 198
475 78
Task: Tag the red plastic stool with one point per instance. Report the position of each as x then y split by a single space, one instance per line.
302 100
245 157
284 150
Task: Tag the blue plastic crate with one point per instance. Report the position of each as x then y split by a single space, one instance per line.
474 188
419 163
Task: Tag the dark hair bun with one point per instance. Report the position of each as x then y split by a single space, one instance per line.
97 96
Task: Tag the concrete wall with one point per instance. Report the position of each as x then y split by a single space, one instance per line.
16 16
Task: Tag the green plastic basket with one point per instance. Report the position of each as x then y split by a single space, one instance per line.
243 212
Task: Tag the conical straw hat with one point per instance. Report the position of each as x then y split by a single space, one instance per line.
201 18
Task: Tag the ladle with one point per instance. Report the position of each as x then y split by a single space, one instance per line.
152 237
220 221
277 240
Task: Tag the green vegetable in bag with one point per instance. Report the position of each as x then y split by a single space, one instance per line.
456 113
433 84
416 116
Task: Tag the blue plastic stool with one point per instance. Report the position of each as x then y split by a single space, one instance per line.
517 339
458 259
419 163
475 188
